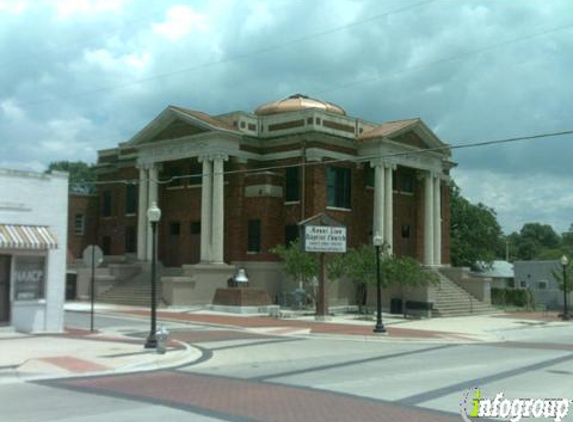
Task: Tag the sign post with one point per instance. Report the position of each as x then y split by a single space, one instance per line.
92 256
322 234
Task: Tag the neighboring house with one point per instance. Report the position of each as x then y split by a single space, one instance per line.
501 273
33 233
538 276
233 186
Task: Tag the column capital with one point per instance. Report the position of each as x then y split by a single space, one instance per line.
213 156
383 164
145 166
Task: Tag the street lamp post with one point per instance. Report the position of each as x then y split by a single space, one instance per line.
565 316
378 242
153 215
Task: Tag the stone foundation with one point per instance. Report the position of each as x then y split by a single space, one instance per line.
197 284
241 296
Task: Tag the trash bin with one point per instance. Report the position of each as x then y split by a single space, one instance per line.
395 305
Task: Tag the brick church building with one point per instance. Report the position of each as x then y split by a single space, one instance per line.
233 186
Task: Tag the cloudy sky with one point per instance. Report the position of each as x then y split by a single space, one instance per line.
83 75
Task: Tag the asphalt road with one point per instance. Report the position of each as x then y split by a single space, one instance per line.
251 377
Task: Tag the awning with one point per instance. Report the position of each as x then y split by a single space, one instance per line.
15 236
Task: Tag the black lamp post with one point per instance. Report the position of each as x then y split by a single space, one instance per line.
378 242
565 316
153 215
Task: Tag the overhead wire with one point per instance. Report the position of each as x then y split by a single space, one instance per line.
360 159
234 57
363 81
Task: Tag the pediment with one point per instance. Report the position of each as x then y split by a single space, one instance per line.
412 139
178 129
177 122
420 136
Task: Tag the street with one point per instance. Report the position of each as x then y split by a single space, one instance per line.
250 376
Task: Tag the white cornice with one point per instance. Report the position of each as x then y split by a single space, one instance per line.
390 152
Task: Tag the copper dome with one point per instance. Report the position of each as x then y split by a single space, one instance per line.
297 102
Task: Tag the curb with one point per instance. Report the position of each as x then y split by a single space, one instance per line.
189 355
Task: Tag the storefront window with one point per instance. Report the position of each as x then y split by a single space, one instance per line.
29 277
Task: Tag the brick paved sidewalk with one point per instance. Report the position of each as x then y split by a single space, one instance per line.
312 327
250 401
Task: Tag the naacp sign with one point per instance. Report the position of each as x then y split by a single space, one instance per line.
324 239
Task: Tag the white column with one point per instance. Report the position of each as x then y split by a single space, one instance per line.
142 216
437 221
218 227
428 220
206 196
151 198
378 215
389 210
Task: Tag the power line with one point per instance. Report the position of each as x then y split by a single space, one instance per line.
235 57
60 48
345 86
338 161
449 59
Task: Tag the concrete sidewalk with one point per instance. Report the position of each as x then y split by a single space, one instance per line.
81 353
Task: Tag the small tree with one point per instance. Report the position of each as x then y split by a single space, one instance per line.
359 265
558 276
407 273
298 264
82 175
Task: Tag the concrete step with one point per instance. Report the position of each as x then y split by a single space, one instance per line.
452 300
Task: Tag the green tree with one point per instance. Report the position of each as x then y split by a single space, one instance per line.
475 233
82 175
299 265
359 265
539 241
567 238
558 275
406 273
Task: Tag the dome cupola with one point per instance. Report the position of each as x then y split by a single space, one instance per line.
297 102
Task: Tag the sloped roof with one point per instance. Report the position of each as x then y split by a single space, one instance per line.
498 269
213 121
387 129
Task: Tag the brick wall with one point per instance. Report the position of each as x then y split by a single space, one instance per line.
182 204
86 205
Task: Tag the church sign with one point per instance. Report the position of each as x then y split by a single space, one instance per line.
325 239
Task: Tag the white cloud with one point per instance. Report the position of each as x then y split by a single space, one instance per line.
137 61
13 6
538 197
180 21
11 111
68 8
23 165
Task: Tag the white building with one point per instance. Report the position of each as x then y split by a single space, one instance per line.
539 278
33 239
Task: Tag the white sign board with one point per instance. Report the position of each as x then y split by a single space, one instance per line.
324 239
